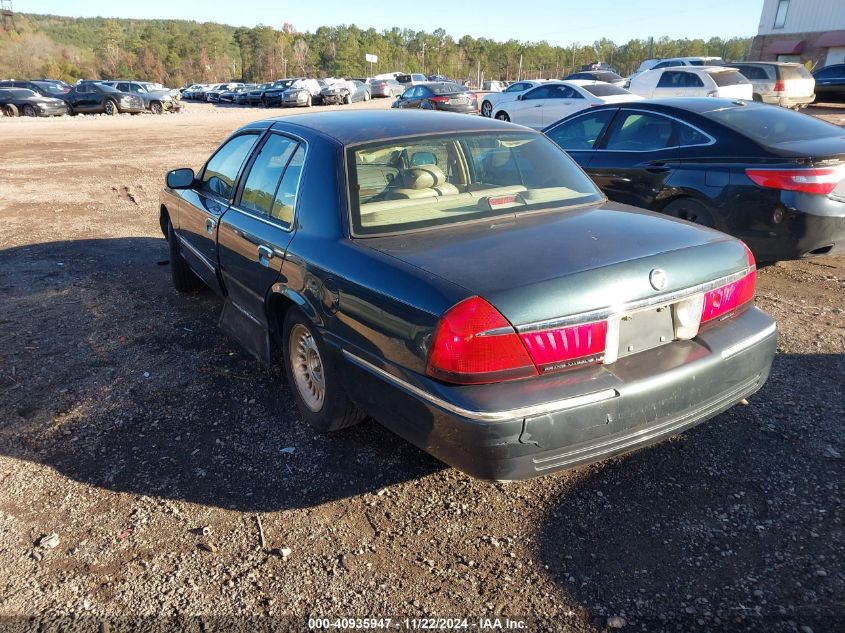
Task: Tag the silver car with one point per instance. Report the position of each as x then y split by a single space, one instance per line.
779 83
302 92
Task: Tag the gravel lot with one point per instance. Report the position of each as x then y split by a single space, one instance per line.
158 453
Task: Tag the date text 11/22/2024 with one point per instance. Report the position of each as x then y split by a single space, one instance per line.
435 624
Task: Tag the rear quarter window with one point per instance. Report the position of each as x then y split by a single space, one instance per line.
605 90
767 124
729 78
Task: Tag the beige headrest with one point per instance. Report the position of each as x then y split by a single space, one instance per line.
424 177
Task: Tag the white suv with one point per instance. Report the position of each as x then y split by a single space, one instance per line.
692 81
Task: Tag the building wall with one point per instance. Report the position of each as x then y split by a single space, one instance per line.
803 16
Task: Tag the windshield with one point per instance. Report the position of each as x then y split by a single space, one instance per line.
774 125
605 90
51 88
413 183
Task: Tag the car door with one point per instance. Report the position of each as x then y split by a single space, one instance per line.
254 235
830 81
79 98
527 109
636 157
202 206
580 135
561 102
412 97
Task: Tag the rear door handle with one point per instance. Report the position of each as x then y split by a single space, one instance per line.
210 226
265 254
657 168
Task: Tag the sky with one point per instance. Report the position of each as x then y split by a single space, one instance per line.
560 22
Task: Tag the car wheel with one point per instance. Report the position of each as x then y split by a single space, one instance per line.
347 98
71 111
502 116
184 279
486 109
426 105
156 107
366 96
308 102
10 110
316 389
757 98
28 110
110 107
690 210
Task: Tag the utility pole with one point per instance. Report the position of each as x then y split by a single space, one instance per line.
519 72
285 62
423 59
8 15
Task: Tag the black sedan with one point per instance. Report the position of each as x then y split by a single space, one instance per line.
772 177
460 280
830 83
91 97
14 101
446 96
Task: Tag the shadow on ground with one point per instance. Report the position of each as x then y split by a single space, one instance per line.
748 505
114 379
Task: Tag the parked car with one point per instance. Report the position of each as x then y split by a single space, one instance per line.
439 78
229 95
256 95
91 97
704 81
45 87
830 82
273 95
491 85
653 64
412 79
489 101
15 101
463 282
386 88
155 101
194 91
241 96
553 100
779 83
302 92
598 75
770 176
345 91
438 96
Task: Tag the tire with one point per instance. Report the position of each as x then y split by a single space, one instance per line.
690 210
11 110
184 279
426 105
347 98
366 96
71 111
110 107
156 107
757 98
312 379
502 116
486 109
28 110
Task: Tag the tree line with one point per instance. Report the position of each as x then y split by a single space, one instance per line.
175 52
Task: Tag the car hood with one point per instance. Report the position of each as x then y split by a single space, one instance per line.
544 266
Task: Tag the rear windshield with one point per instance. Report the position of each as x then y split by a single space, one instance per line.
412 183
605 90
729 78
770 125
446 89
607 76
794 72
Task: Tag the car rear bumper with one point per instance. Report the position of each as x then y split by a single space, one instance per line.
524 429
788 101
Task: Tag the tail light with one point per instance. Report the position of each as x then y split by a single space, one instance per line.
818 180
567 347
439 99
780 86
472 96
474 343
726 300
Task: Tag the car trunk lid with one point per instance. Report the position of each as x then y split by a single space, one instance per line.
541 267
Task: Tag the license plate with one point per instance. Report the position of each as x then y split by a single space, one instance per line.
645 329
458 101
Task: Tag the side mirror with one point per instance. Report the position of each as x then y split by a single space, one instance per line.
180 178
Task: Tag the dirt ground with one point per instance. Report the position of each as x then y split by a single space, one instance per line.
129 423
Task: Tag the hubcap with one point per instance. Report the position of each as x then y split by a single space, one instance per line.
486 108
307 367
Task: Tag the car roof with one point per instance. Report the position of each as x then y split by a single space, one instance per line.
698 105
352 127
